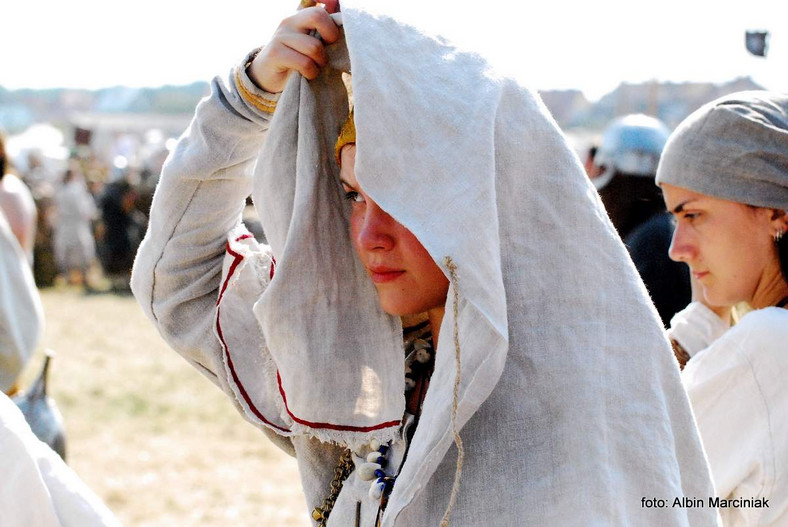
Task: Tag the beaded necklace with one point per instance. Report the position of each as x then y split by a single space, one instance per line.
419 365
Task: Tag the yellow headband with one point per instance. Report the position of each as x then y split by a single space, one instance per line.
347 135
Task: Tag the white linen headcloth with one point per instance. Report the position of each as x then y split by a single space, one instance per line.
475 167
339 357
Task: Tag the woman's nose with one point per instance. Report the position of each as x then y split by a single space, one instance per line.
681 245
377 228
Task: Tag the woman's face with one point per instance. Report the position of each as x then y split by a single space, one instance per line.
406 277
728 246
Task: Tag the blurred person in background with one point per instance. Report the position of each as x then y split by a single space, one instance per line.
724 175
592 169
45 269
624 168
122 227
17 203
72 222
38 175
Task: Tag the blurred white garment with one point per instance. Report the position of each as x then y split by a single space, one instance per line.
39 489
21 314
74 244
17 203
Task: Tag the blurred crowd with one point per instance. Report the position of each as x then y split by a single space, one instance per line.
91 205
90 211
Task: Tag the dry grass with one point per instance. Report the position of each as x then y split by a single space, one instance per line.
157 441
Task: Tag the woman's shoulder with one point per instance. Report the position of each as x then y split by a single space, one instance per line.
761 332
755 348
771 319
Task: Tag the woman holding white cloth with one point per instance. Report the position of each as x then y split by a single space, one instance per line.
724 175
468 216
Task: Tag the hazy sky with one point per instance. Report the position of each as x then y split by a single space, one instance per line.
592 46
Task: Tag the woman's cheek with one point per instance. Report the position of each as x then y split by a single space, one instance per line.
356 223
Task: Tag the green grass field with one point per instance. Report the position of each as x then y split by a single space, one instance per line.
155 439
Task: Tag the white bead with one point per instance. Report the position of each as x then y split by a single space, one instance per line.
419 344
409 383
366 471
423 356
376 490
374 444
373 457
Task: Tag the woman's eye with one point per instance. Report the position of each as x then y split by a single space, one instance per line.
355 197
675 219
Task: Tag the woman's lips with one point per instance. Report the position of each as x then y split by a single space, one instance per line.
699 275
381 275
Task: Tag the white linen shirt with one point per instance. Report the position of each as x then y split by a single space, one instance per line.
737 388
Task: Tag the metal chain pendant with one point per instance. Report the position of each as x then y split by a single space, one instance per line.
341 473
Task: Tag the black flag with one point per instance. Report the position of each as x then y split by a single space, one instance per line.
756 42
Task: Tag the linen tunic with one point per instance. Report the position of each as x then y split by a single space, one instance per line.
736 385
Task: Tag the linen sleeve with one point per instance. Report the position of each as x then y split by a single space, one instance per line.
197 205
696 327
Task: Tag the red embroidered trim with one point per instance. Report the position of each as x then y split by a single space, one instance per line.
244 394
236 262
330 426
234 265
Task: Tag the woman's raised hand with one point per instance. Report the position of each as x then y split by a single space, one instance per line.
294 48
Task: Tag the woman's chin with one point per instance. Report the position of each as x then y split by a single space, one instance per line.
717 299
400 307
398 310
